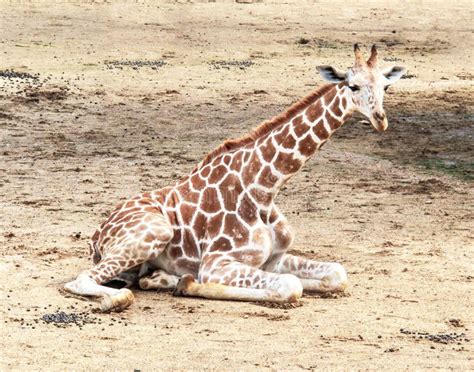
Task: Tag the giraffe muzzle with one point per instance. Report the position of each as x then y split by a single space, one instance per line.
379 121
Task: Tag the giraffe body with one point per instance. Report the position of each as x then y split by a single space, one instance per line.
217 232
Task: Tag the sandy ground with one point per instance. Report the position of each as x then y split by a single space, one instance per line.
87 129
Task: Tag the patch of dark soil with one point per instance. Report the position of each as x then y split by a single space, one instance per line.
62 319
316 42
390 42
442 338
458 323
227 65
327 295
134 64
276 305
12 74
313 255
431 130
36 94
303 41
408 76
263 314
391 59
4 115
465 76
36 203
456 168
431 185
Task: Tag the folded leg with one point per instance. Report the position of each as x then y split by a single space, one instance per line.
128 248
315 276
240 282
159 279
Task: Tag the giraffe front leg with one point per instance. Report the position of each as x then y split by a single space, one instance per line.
315 276
159 279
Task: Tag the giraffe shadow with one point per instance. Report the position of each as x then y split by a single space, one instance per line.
118 284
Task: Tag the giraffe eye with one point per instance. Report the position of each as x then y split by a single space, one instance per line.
354 88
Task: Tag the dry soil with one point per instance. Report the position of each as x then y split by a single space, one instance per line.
99 102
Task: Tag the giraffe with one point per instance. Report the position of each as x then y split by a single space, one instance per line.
217 232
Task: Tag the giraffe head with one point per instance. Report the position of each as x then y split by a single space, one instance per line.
365 85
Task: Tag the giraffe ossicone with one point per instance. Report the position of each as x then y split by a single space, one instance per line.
217 232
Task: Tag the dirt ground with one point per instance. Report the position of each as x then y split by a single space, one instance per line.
99 102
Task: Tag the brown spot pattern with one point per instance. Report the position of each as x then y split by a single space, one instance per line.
268 150
267 178
221 245
286 164
186 212
300 128
251 170
217 173
314 111
236 163
234 228
307 146
214 224
320 131
210 201
231 188
248 210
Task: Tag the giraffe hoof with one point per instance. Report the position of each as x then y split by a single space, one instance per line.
144 283
118 302
182 289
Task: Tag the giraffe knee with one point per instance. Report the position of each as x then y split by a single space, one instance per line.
165 234
145 283
284 235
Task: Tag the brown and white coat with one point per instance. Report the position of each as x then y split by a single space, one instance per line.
217 232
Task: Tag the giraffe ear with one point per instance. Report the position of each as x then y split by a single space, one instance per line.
392 74
331 74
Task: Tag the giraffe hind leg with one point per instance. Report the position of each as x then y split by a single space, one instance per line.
120 256
117 299
89 283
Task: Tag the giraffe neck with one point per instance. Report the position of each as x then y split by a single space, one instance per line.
280 154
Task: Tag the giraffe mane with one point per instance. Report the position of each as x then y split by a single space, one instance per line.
266 127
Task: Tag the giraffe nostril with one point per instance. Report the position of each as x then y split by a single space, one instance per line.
379 116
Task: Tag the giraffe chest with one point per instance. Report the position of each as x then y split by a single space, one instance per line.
197 233
213 212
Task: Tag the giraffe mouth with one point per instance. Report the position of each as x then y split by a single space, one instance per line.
379 121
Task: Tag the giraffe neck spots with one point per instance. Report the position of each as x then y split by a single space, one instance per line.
285 150
261 168
223 202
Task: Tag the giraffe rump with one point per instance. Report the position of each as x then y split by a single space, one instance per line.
266 126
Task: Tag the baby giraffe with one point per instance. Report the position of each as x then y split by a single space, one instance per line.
217 232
